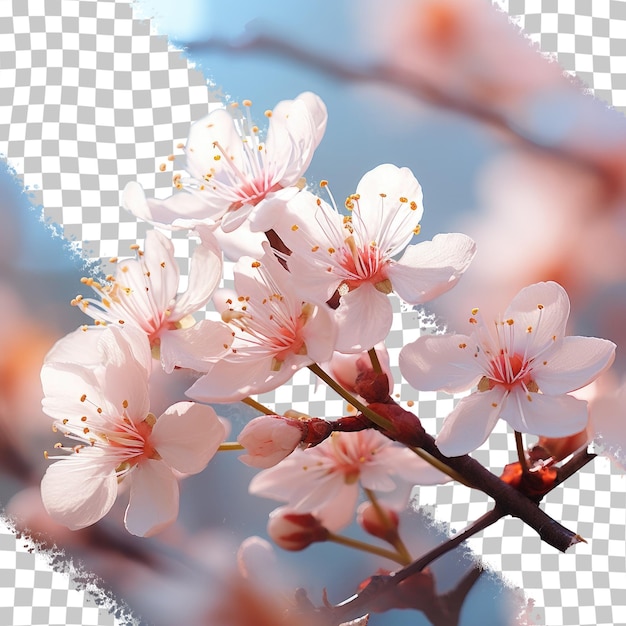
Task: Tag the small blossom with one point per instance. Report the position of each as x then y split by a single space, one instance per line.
325 480
354 254
268 439
275 333
524 365
103 407
234 174
294 531
143 294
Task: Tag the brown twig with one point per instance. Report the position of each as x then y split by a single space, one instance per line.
416 86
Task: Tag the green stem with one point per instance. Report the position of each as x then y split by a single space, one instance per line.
365 547
258 406
371 415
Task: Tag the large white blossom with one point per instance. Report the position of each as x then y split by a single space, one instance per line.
274 331
143 294
235 174
524 366
96 388
354 253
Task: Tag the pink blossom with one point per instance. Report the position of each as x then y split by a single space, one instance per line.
325 480
524 365
355 254
101 403
143 294
233 173
268 439
275 334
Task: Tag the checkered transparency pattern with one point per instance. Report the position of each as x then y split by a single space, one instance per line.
31 592
587 37
91 99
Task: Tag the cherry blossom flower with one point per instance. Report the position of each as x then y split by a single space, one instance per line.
102 404
275 334
143 294
233 173
355 254
524 366
324 480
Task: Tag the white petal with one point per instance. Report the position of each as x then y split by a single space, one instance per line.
205 273
395 183
578 361
153 501
471 422
80 490
431 268
317 111
548 416
195 347
158 260
187 436
440 362
182 210
543 308
229 381
364 318
320 334
81 347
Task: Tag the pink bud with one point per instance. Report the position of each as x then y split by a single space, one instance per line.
384 527
346 367
294 531
269 439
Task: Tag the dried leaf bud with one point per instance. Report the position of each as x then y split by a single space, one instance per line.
382 523
559 447
294 531
269 439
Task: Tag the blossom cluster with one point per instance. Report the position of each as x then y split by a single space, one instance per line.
311 289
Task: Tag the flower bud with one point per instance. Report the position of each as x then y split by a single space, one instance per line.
384 527
345 368
268 439
294 531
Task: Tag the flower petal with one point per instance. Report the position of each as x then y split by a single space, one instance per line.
440 362
79 490
578 361
380 189
430 268
182 210
543 308
548 416
153 501
195 347
471 422
187 436
364 318
159 272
